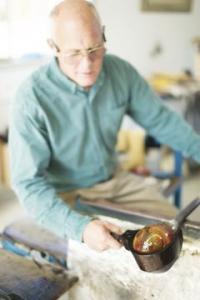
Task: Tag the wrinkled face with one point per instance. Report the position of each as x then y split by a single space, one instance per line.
80 51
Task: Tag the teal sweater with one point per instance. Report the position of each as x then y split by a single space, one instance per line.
63 138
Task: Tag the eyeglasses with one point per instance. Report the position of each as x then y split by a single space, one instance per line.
74 57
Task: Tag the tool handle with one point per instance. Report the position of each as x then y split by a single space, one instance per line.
126 239
180 218
118 237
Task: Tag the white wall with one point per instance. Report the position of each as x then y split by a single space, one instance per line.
132 34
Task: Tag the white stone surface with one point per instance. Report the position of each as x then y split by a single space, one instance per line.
114 274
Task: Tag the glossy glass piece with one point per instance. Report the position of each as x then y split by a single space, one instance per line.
153 238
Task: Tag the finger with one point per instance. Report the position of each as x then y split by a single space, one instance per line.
113 228
112 243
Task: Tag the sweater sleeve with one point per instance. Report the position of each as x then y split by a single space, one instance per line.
168 127
30 156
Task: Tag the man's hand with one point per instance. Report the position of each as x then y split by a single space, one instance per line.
97 235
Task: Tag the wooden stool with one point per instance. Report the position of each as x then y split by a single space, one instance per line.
31 236
31 281
24 274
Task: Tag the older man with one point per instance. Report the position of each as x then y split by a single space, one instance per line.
64 126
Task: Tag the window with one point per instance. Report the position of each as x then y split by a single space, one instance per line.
23 27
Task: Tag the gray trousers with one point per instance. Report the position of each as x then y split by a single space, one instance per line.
127 188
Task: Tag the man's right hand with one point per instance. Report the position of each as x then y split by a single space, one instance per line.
97 235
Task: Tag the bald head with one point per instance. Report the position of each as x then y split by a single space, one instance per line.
68 8
70 14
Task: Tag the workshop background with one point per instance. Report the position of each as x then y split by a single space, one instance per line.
161 38
163 44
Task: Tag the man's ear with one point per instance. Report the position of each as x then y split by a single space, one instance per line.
103 34
53 46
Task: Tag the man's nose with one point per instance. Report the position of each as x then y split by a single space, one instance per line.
85 61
